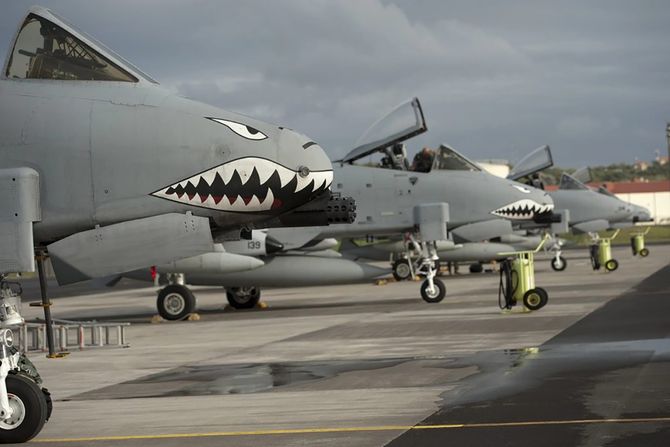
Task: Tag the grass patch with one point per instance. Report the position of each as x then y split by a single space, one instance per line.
657 233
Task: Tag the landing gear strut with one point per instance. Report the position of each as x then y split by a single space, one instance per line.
558 262
24 405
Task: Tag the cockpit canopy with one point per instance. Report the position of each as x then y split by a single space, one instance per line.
536 161
46 47
386 136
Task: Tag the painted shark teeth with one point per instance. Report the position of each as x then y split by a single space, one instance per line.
247 184
522 209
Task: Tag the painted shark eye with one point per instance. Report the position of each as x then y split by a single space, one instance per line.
242 130
522 189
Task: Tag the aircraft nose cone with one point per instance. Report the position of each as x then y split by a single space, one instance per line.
302 154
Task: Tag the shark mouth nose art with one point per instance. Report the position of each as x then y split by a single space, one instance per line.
249 184
522 209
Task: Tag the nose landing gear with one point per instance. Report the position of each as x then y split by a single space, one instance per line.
24 405
433 290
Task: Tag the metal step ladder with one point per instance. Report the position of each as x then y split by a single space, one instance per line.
70 335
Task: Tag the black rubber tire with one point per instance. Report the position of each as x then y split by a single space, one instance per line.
560 265
611 265
34 402
476 267
243 300
441 291
175 302
644 252
535 299
405 272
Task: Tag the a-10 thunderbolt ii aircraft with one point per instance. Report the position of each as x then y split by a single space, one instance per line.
104 171
389 197
470 243
592 210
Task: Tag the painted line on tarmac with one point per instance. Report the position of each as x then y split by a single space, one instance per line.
300 431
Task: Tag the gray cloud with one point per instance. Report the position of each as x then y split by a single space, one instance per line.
496 78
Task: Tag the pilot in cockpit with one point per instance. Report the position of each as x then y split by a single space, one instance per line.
423 161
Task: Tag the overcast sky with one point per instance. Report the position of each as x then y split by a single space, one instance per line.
496 79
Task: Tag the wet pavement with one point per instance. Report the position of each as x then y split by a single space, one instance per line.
613 364
373 365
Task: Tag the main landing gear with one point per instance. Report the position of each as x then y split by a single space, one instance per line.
24 405
517 282
243 297
601 252
175 301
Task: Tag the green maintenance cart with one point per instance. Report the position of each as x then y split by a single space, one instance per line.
637 243
517 281
601 253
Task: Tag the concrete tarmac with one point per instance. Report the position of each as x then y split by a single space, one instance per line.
373 365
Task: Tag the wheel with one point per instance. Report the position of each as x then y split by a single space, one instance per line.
611 265
559 264
476 267
243 297
175 302
30 410
436 295
644 252
535 299
401 270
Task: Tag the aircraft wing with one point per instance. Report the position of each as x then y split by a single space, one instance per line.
402 123
591 226
536 161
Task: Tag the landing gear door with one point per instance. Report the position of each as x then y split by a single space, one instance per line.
402 123
532 163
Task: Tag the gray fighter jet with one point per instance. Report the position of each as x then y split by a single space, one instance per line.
390 195
104 171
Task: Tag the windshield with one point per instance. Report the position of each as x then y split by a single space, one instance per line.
568 182
604 190
449 160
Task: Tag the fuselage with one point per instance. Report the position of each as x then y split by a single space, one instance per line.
386 198
586 206
102 148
